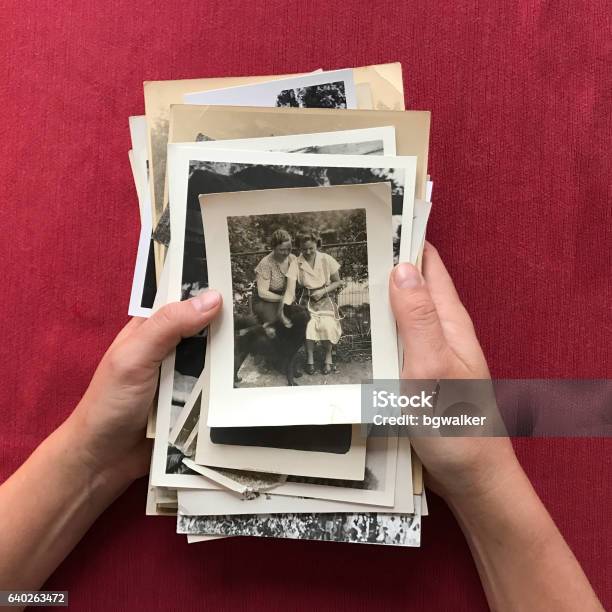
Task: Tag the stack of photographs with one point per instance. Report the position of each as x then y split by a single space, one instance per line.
293 196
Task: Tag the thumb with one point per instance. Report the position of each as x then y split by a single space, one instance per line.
160 333
420 331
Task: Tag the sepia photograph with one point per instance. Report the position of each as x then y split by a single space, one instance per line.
231 124
274 331
385 81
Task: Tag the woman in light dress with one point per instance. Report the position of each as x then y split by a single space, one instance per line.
271 278
313 280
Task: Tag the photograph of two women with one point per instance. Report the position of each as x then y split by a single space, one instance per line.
301 301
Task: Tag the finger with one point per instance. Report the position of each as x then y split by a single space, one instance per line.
154 339
453 315
425 347
454 318
437 277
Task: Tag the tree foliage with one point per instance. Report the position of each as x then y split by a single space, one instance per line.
326 95
343 237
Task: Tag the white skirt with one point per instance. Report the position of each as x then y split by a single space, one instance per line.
323 326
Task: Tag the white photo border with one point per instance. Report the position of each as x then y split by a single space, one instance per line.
310 405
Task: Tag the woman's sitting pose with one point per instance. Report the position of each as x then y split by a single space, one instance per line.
271 277
314 277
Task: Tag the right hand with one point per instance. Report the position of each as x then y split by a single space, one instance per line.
440 343
108 426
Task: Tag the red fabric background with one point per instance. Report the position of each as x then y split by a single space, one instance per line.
520 97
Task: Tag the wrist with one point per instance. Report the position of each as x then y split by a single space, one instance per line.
486 485
461 469
74 451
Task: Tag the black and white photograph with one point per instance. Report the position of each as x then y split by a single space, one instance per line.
230 176
333 89
300 297
277 499
193 502
281 326
178 379
362 528
199 171
326 95
144 286
384 469
367 141
382 487
336 451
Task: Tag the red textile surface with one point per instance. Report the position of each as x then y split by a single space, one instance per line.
521 107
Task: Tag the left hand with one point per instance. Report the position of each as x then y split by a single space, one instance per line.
108 425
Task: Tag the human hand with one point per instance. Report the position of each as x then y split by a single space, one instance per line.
108 426
440 343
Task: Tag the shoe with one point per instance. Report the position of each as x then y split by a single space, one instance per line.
327 368
310 369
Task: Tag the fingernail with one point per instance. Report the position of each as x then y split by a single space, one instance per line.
407 276
206 301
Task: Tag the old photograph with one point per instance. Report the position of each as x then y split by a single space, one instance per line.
326 95
198 171
175 390
336 451
144 285
385 482
367 141
217 171
188 358
378 485
279 325
243 124
384 81
229 501
332 89
301 300
362 528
